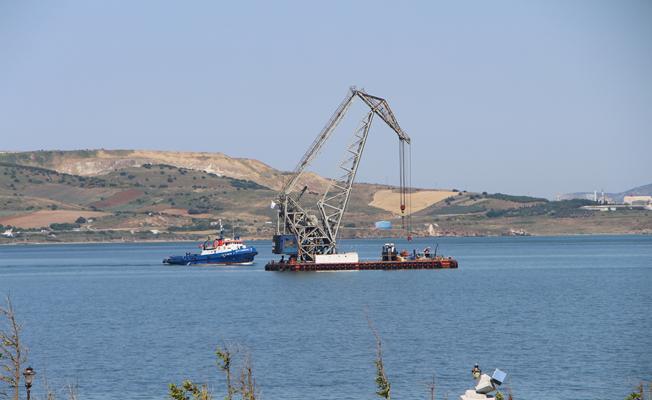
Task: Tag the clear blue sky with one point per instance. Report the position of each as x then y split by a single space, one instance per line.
537 97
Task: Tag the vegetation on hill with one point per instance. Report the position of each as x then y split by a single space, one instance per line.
516 199
102 162
465 203
152 196
459 209
557 209
134 193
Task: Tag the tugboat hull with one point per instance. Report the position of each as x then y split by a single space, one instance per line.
235 257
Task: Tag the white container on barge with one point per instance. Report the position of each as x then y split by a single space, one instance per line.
342 258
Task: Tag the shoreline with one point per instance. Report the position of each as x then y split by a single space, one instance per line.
148 241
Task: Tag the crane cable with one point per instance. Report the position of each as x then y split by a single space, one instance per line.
405 167
409 193
401 158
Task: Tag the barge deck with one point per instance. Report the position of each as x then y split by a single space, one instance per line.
440 263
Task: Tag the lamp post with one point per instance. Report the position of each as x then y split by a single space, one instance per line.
29 378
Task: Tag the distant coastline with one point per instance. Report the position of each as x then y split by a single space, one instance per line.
107 196
18 242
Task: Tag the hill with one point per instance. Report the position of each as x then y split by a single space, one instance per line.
141 192
141 195
103 162
645 190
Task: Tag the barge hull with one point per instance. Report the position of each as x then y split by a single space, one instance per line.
363 266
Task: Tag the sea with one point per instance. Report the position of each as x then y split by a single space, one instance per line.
564 317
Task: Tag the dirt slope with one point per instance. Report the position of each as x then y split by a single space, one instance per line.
102 162
44 218
389 199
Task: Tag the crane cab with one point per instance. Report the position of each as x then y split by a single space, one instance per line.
285 244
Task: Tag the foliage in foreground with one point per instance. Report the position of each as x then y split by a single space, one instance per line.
245 387
638 394
189 391
13 353
382 382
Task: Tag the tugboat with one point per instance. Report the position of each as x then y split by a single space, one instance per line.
217 251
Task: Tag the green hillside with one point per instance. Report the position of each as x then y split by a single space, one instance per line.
116 197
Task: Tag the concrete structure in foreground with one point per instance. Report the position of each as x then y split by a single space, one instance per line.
485 386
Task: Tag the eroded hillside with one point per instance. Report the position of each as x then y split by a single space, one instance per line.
141 195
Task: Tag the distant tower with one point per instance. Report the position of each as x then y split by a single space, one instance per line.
595 196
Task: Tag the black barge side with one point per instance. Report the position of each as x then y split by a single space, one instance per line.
443 263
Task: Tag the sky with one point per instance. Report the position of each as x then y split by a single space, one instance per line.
522 97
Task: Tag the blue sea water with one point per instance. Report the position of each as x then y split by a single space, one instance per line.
567 315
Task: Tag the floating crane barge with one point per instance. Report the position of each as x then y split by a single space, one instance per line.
309 237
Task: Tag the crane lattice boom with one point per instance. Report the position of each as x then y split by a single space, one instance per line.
304 235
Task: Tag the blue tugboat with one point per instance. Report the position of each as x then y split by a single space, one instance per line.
218 251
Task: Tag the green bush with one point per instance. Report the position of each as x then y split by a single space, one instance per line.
495 213
516 199
195 211
63 227
197 225
245 184
559 209
456 209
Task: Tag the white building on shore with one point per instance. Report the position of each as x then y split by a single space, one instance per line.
638 200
